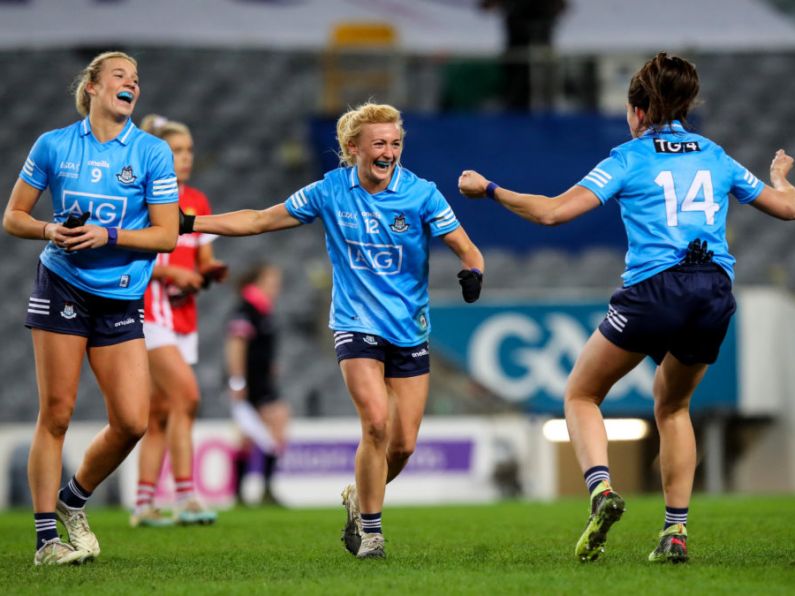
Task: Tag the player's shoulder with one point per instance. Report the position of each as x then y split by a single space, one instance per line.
405 181
404 175
147 141
57 136
332 183
341 176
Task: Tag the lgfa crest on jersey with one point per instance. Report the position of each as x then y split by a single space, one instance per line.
399 225
126 175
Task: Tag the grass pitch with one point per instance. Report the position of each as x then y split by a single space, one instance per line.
742 545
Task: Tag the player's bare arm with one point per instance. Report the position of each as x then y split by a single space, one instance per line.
540 209
459 242
778 201
17 219
160 236
246 222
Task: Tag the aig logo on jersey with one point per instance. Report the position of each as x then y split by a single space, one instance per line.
381 259
107 210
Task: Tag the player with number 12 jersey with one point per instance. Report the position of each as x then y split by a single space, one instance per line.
378 246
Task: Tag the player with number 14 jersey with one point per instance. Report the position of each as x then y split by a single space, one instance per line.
693 174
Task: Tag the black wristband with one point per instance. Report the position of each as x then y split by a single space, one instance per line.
491 188
186 222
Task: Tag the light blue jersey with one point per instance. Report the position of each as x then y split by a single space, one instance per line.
378 246
114 181
673 187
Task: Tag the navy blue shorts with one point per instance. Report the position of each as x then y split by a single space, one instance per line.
56 305
684 310
398 361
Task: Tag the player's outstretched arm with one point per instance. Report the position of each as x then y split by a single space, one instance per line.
246 222
540 209
778 201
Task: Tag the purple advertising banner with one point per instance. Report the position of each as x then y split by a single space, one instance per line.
337 457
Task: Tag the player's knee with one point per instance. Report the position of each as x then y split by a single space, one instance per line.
56 423
573 397
666 408
129 431
400 452
375 430
56 415
187 403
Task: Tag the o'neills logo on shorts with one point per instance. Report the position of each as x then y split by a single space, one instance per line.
420 354
129 321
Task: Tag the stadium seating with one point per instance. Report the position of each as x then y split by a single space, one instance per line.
248 109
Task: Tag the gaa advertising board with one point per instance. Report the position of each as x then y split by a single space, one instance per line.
523 351
457 459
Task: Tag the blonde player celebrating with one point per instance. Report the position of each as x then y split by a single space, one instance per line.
114 196
378 218
172 342
676 303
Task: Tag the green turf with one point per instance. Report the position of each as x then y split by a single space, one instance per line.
737 545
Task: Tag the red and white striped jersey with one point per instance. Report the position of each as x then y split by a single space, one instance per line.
159 304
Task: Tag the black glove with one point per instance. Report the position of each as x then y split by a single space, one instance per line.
471 281
75 222
697 253
186 222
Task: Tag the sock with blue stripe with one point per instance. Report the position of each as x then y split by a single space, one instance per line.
74 495
45 527
675 515
595 475
371 523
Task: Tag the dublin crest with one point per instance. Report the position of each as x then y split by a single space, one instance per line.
399 225
68 311
126 175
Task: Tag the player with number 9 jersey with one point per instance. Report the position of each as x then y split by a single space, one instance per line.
114 204
113 182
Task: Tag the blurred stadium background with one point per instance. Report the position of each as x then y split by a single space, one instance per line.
260 83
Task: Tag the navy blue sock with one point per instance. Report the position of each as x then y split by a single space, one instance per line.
593 476
74 495
45 527
675 515
371 523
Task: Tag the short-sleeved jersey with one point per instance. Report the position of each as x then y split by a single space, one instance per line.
672 187
114 182
379 247
181 317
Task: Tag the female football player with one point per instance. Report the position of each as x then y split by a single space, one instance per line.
676 302
378 218
114 198
172 342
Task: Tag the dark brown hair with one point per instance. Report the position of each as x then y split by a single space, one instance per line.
665 88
